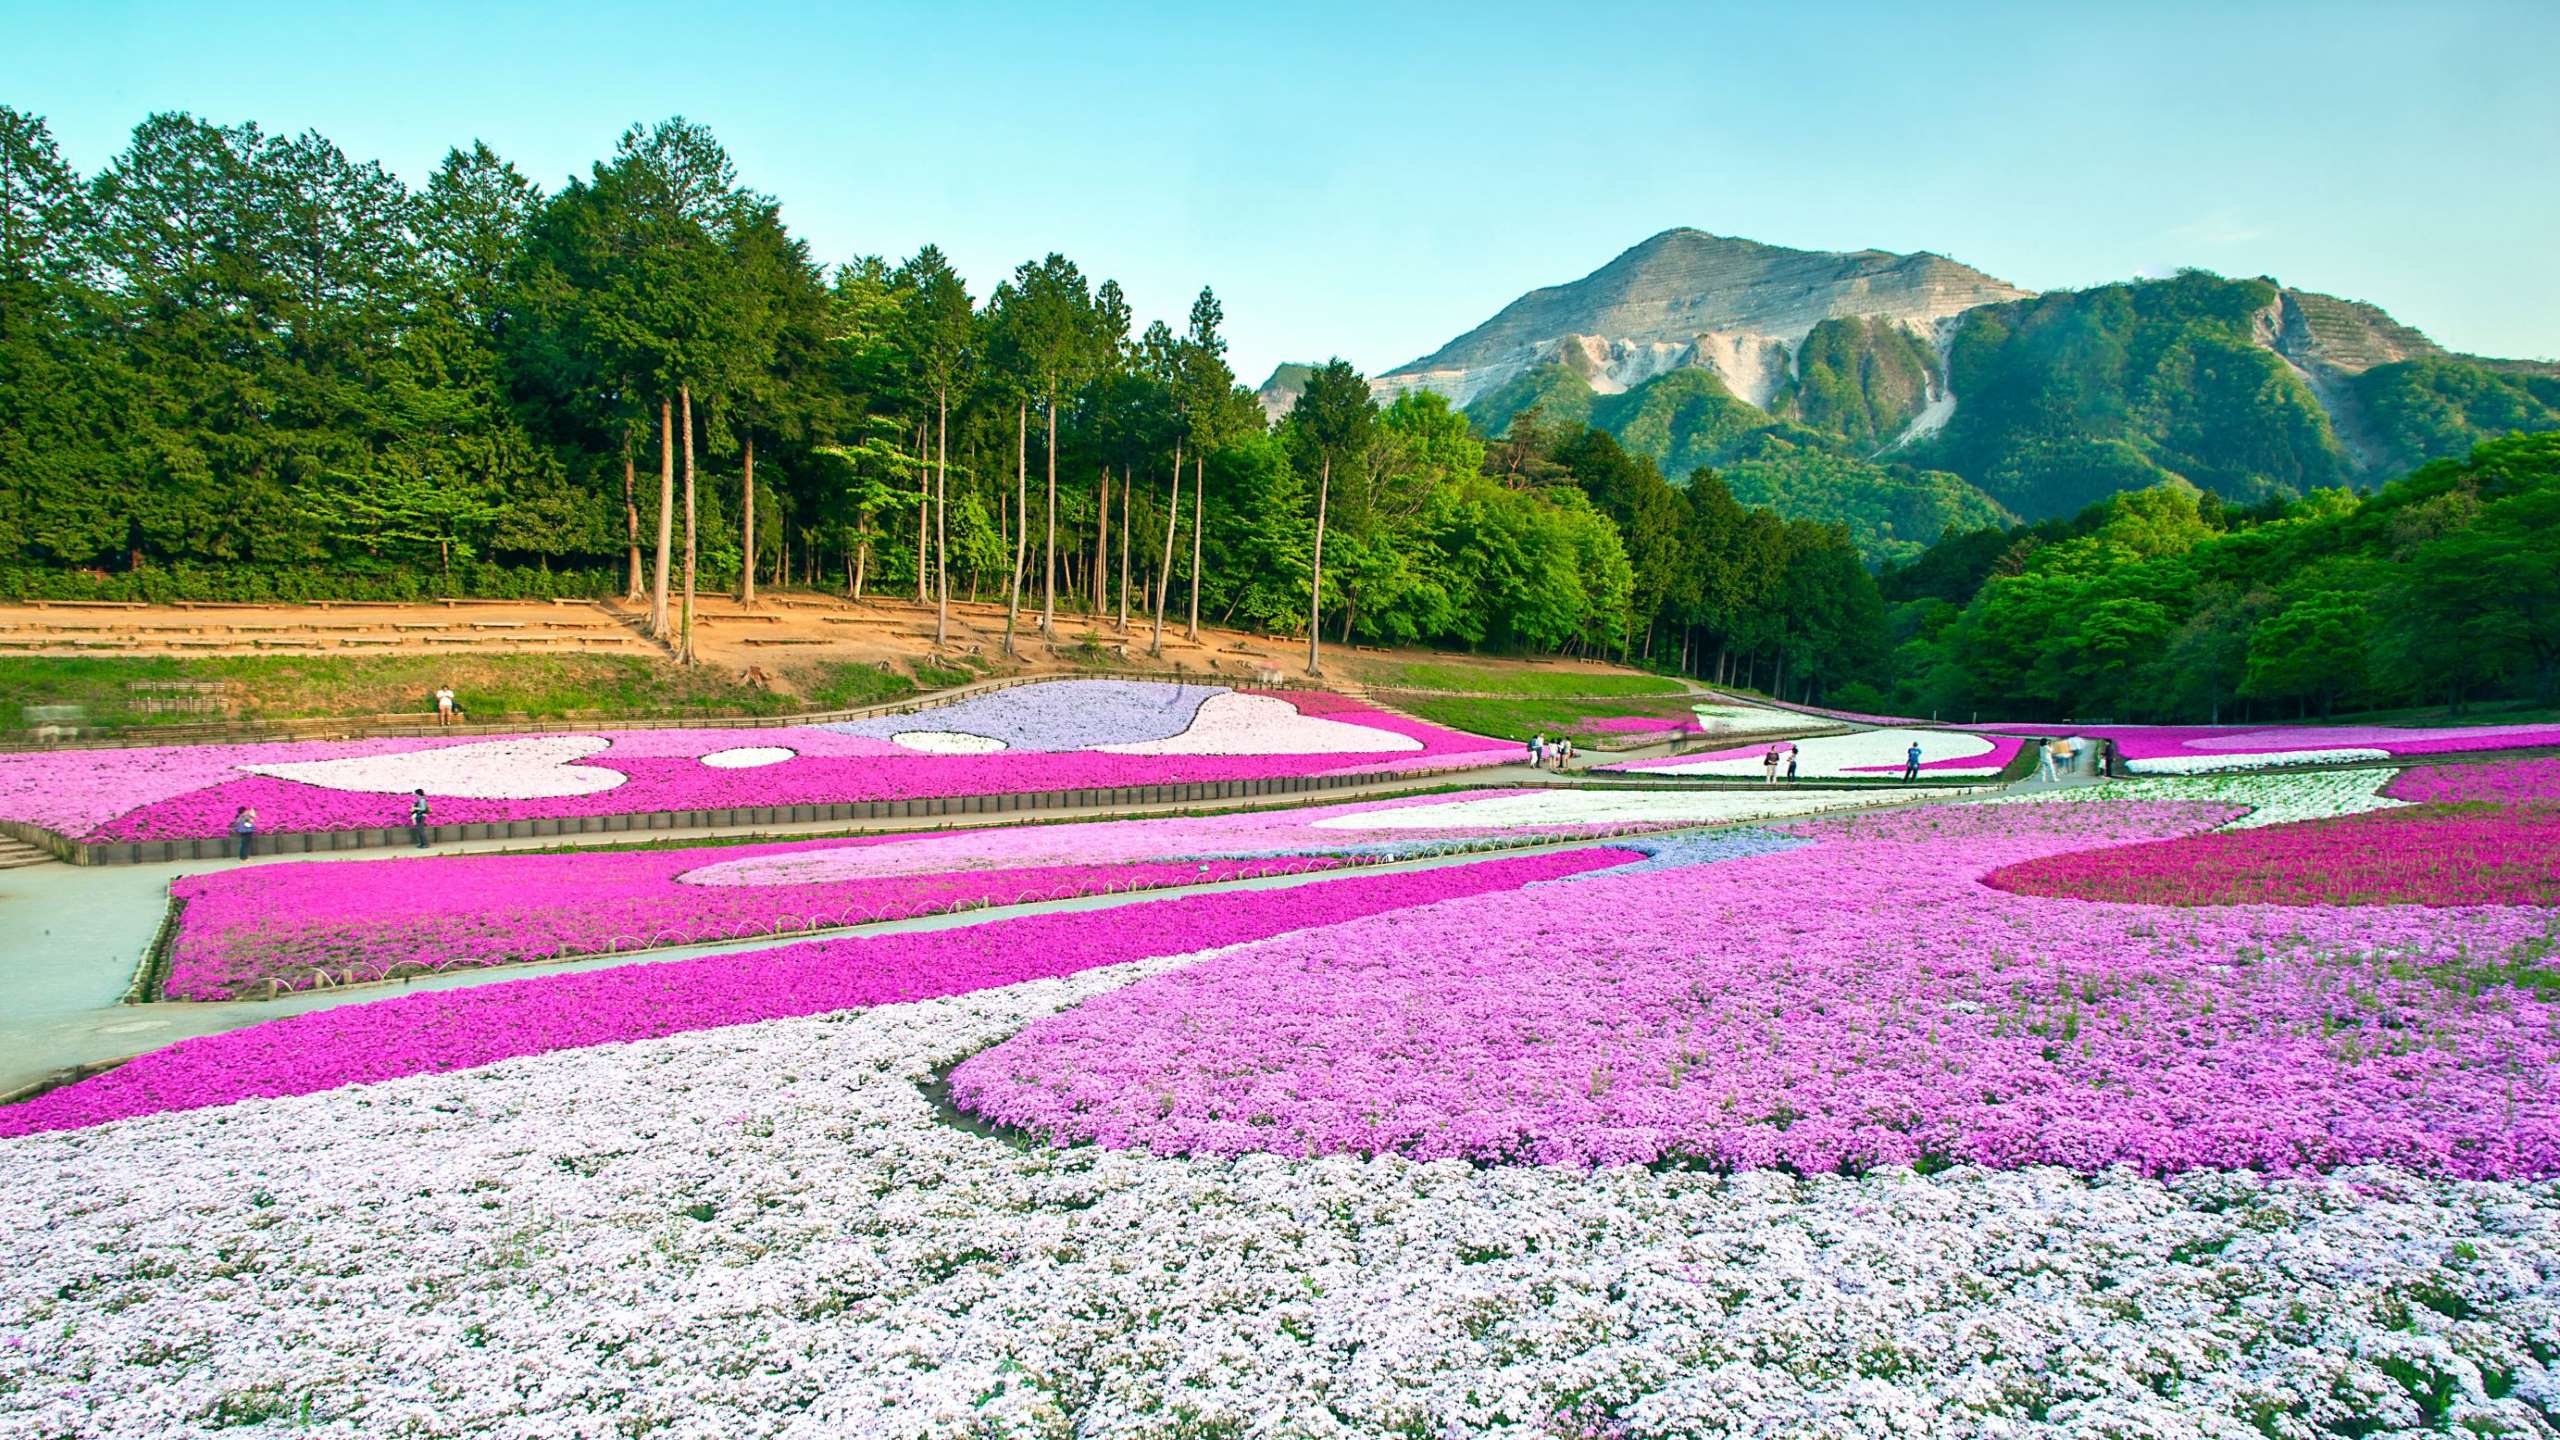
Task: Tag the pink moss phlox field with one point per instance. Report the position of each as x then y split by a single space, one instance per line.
191 792
446 1030
2416 856
306 922
1861 1001
2501 782
243 928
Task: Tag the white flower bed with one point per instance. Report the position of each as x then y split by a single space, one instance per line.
1725 717
535 767
1867 754
748 757
947 742
2272 799
2199 764
765 1231
1232 724
1528 809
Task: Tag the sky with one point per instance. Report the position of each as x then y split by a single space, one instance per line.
1370 181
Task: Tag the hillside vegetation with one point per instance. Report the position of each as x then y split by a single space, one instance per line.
2165 604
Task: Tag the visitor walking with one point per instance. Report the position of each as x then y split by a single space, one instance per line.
1792 753
1911 763
1769 765
1538 751
2045 763
244 828
1564 752
444 705
418 817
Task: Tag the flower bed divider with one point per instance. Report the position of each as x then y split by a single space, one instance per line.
288 842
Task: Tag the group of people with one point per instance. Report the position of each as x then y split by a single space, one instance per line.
1769 762
244 823
1546 754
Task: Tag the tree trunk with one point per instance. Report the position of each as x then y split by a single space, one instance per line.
685 392
1021 529
1096 598
861 553
1164 576
941 541
1315 575
1127 487
1049 536
632 591
1199 468
747 527
924 505
666 518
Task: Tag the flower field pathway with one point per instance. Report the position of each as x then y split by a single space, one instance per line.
76 934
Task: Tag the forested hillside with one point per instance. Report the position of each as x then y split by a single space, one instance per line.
2165 604
1686 420
235 365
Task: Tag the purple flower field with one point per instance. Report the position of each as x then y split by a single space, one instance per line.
1861 1001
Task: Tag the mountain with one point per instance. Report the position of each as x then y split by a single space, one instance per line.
1903 394
1688 299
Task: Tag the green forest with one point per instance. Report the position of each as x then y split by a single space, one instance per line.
237 365
2169 604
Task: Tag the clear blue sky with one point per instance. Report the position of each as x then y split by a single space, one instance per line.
1371 180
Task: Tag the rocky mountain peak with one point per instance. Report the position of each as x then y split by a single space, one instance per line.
1688 297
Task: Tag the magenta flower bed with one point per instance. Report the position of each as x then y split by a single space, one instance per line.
2205 743
1053 736
445 1030
2382 857
2503 782
296 925
1861 1001
310 922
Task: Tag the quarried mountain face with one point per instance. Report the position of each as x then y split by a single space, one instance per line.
1687 298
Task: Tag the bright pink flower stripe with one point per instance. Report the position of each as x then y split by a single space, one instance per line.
2507 782
2382 857
443 1030
241 928
1860 1001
